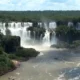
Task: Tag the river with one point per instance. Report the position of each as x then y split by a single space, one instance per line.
53 64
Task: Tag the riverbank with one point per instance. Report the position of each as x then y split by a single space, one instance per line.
16 65
9 62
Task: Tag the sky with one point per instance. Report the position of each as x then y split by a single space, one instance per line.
23 5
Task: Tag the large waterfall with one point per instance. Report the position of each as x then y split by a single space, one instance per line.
16 29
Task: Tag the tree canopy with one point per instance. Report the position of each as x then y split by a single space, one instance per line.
39 16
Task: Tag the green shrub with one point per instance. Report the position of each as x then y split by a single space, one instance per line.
12 56
5 64
75 44
26 53
1 51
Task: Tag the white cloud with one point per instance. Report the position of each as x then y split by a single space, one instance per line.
5 1
66 5
39 5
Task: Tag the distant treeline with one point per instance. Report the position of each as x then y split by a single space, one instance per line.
40 16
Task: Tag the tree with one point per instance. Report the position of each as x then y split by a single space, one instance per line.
68 34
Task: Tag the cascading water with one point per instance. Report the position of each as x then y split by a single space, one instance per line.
52 27
46 39
53 39
17 29
3 28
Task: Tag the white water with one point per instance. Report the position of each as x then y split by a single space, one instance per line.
17 30
46 39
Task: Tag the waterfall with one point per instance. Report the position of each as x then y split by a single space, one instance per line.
34 36
54 39
70 24
46 39
17 30
52 27
3 28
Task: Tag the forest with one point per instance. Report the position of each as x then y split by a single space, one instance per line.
24 16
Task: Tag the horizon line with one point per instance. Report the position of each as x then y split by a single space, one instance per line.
39 10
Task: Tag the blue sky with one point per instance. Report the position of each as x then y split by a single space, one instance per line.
39 5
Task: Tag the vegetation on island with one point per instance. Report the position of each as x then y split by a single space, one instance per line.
68 37
68 34
37 31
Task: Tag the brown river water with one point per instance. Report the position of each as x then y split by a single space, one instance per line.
53 64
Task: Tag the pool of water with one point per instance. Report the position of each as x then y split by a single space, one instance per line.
50 65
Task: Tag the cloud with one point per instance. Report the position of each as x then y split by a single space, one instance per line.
64 5
39 5
5 1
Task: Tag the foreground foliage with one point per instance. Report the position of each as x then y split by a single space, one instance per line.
10 50
23 54
5 63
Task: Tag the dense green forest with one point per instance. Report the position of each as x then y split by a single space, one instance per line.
39 15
